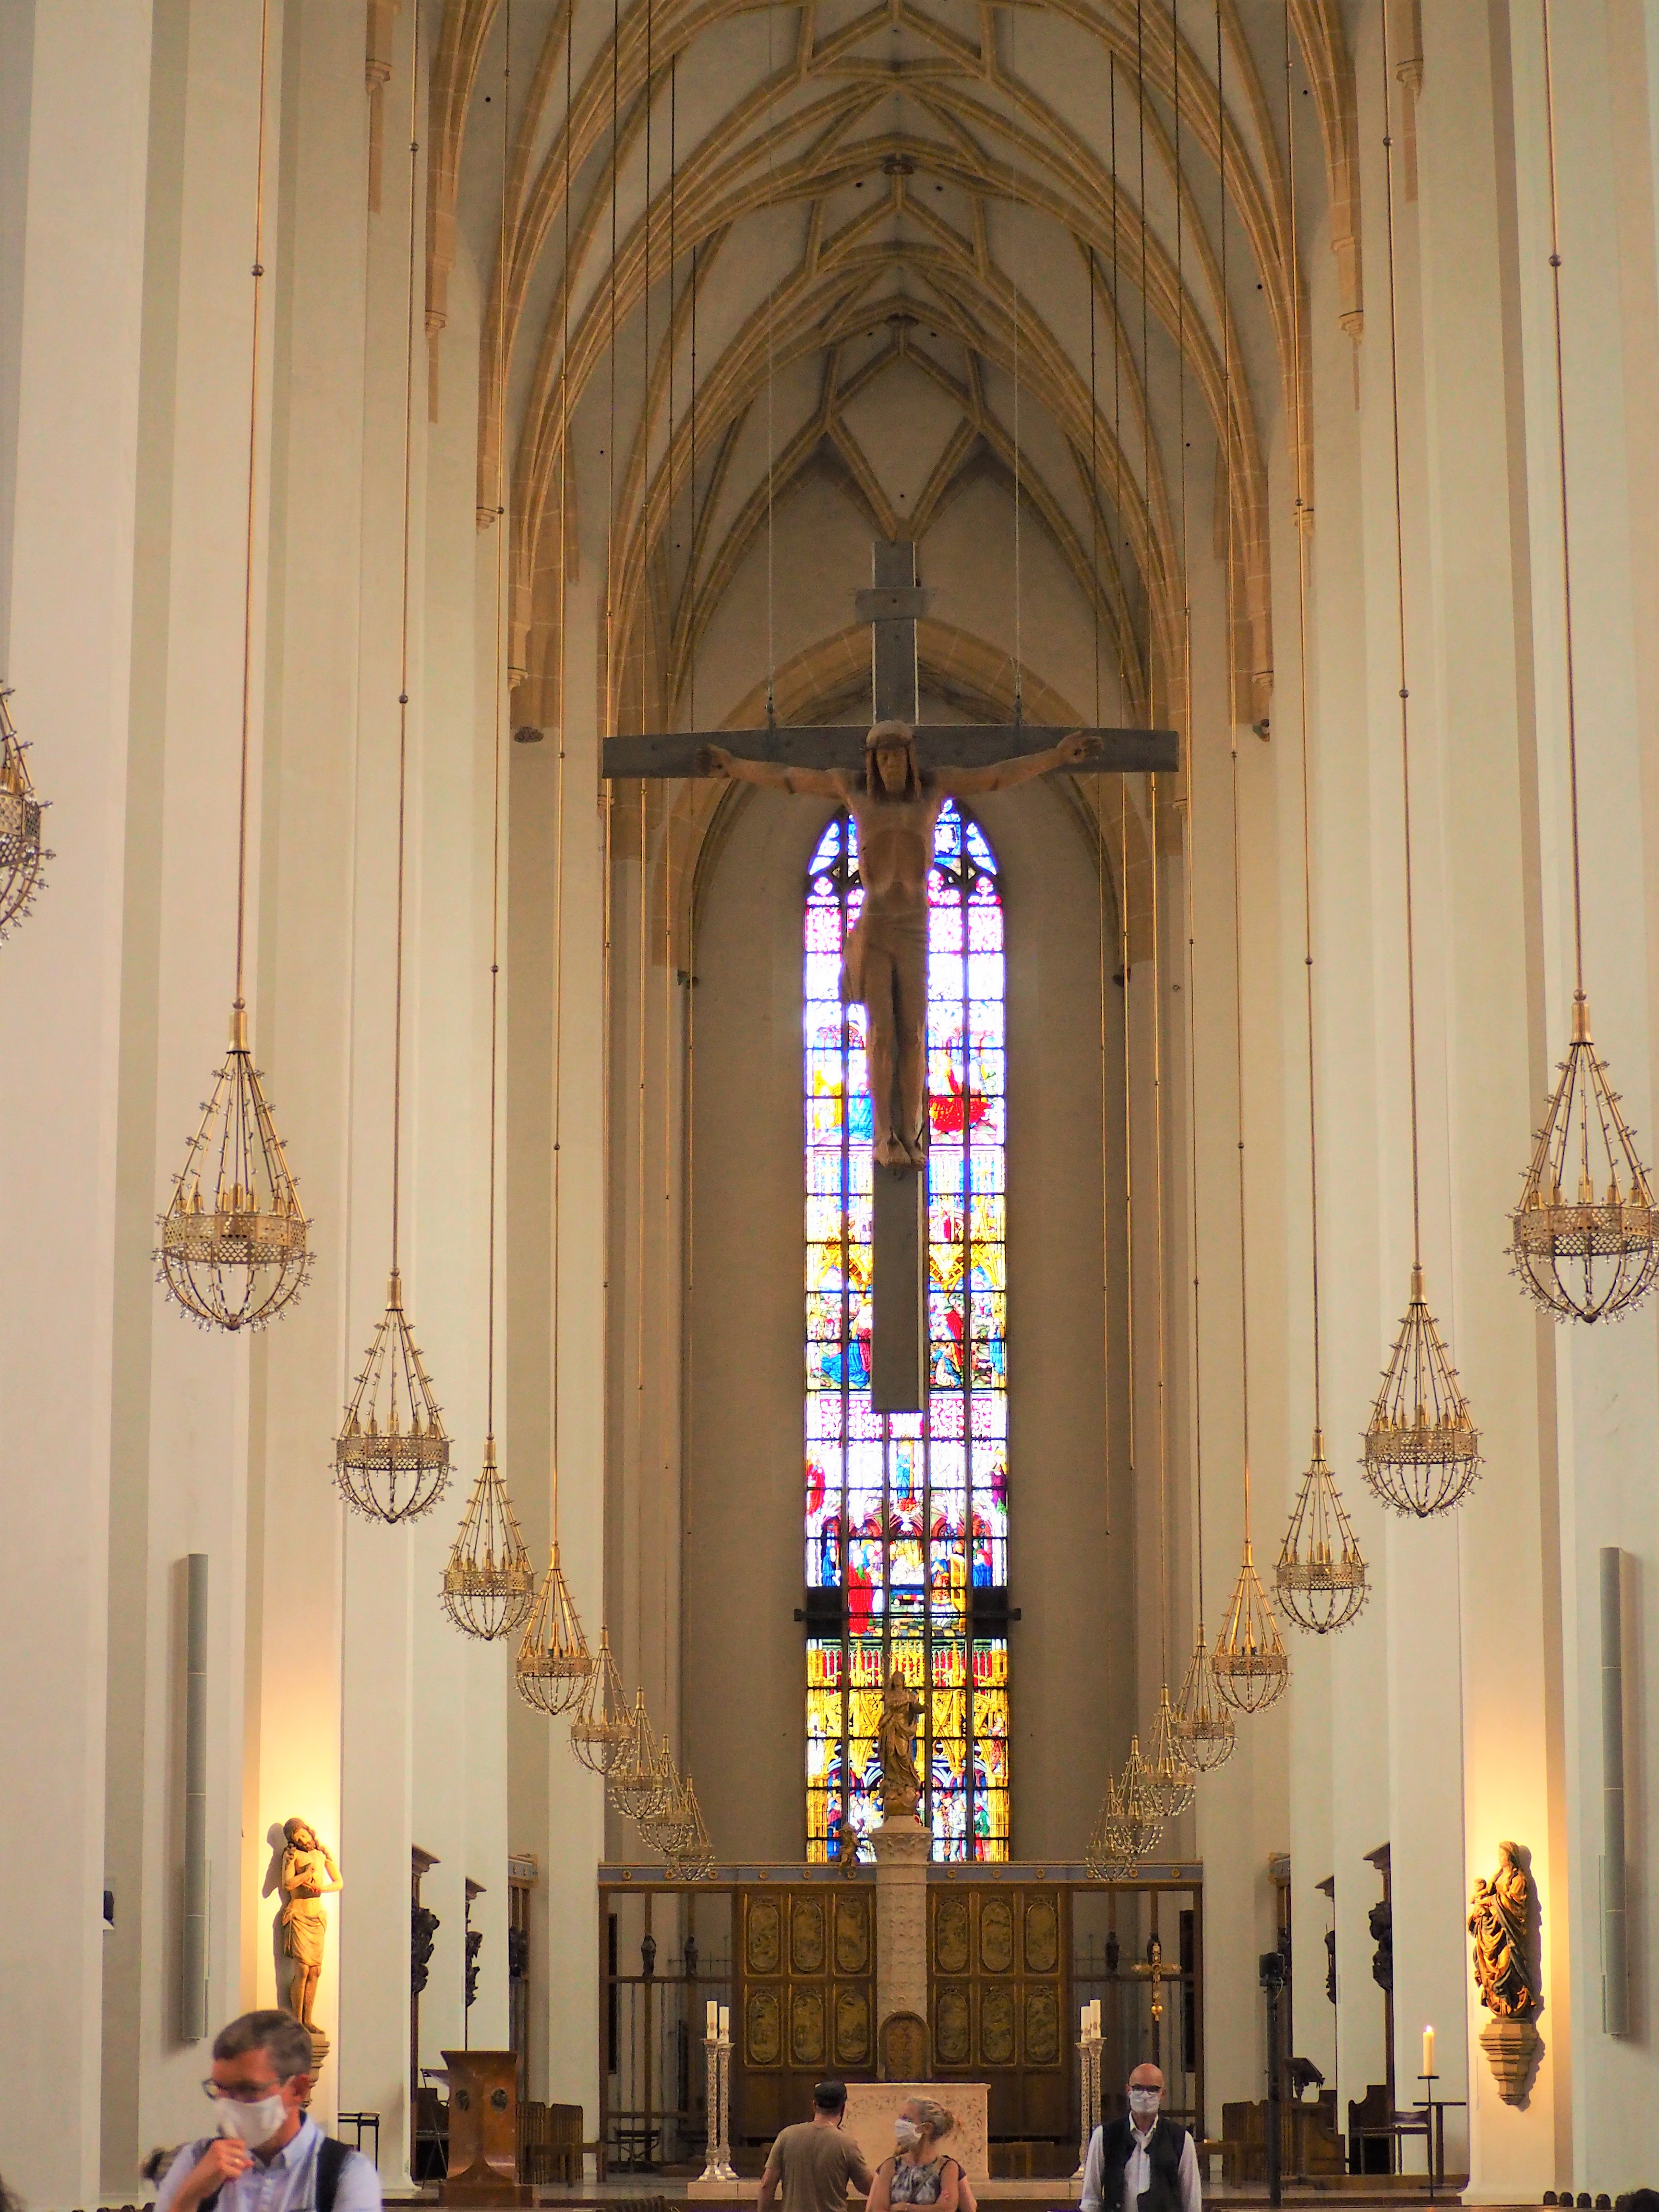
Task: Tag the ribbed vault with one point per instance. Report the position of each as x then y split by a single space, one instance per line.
737 243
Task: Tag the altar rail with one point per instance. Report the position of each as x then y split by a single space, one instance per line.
670 1947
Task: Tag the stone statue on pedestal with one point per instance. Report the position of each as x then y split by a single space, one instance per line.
308 1873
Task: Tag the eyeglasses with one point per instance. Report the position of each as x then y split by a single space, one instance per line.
211 2090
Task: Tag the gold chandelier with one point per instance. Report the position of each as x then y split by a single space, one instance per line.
1582 1234
1422 1447
391 1456
1422 1450
1171 1776
489 1584
235 1247
1249 1663
689 1854
1582 1237
1204 1724
554 1663
1130 1825
22 852
602 1727
235 1243
1321 1577
635 1783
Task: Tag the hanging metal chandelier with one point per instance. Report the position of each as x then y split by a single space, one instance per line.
488 1585
234 1242
661 1826
691 1856
234 1248
1320 1578
1582 1237
1204 1722
391 1456
554 1663
1422 1447
602 1727
1171 1776
1130 1825
1249 1663
635 1784
22 852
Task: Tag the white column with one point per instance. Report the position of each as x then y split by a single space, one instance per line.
69 632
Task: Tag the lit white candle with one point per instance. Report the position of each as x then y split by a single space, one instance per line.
1428 2051
713 2027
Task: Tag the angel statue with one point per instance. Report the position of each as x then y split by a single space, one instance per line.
308 1871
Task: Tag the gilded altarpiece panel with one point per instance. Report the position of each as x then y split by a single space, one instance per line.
805 1999
998 1981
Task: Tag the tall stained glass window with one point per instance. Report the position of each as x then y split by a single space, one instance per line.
907 1514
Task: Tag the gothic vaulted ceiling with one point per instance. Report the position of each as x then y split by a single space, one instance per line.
718 242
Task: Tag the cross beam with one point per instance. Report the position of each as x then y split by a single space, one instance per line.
938 745
892 606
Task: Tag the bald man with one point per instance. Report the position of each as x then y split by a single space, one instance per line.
1142 2163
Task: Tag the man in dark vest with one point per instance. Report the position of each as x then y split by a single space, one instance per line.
1142 2163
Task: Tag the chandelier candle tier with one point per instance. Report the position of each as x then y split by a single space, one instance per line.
1320 1578
553 1662
22 852
1581 1237
489 1584
603 1727
235 1247
691 1858
391 1456
1422 1449
1249 1663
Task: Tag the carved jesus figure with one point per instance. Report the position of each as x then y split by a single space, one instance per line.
884 963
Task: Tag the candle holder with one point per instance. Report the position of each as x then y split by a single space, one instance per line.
717 2063
1434 2131
1088 2052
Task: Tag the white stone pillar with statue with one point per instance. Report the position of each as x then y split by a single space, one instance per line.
902 1846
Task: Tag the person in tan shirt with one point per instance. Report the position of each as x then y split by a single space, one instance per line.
814 2160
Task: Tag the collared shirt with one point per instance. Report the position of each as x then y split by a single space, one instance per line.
1137 2174
288 2184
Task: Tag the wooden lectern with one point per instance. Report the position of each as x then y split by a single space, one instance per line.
483 2129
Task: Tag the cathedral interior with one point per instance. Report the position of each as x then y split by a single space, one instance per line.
553 1522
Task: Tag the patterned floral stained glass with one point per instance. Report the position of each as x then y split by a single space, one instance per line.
907 1513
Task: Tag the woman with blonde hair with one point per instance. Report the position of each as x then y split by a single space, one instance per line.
921 2173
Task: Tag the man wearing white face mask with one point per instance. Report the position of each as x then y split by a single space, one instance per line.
268 2155
1143 2163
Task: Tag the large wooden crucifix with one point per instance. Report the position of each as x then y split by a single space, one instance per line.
894 778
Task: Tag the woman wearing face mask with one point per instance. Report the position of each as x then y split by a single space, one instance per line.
920 2173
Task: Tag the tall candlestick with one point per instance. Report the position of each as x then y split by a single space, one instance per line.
1428 2051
